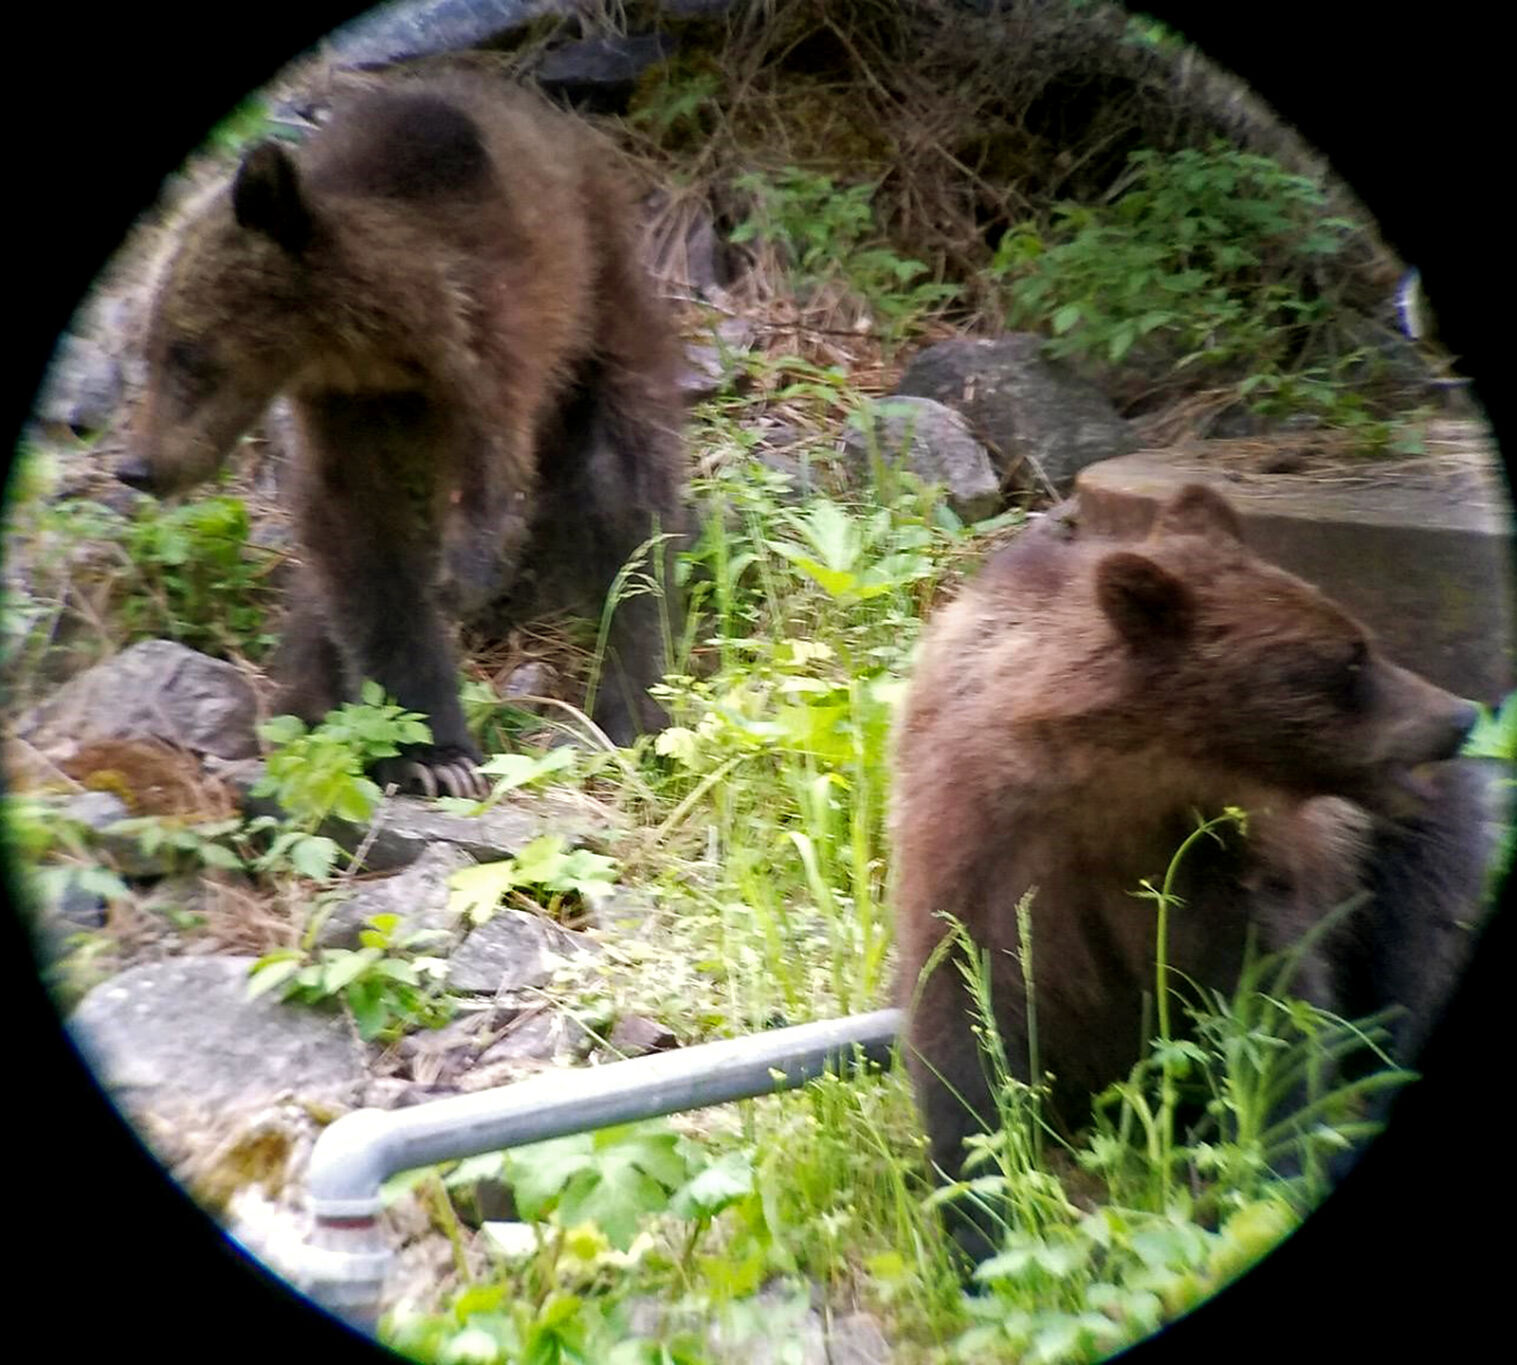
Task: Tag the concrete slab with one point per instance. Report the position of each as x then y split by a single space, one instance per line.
1420 549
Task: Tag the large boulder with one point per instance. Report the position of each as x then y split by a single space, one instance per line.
157 689
1042 422
935 443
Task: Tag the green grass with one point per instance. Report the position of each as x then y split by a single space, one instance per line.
757 844
761 835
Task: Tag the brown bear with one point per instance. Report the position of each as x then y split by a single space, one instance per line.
1070 715
445 284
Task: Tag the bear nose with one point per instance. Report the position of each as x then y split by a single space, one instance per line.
1460 722
135 472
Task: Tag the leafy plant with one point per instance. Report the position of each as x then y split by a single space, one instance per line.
585 1204
198 579
829 234
35 829
177 845
1071 1285
543 864
319 772
247 121
513 771
612 1178
1207 258
1495 733
1495 737
95 578
387 983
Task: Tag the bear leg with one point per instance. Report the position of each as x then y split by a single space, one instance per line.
613 485
631 467
948 1072
307 663
392 632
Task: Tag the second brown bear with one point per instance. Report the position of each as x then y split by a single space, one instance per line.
445 284
1071 714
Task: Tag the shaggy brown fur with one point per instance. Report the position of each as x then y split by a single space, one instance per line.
1072 711
444 283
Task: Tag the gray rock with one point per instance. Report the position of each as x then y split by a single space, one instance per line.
535 1036
711 367
96 812
503 830
419 28
601 71
157 689
513 950
856 1339
83 387
182 1034
77 908
1043 423
778 1326
687 252
624 911
409 825
418 895
395 32
533 679
935 443
635 1035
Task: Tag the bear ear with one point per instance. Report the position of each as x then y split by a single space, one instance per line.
1145 602
1198 510
266 198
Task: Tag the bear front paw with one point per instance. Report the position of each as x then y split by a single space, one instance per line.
429 770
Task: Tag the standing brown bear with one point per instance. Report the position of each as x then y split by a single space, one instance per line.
1071 713
444 283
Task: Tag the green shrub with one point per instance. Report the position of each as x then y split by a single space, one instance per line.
199 579
829 237
1208 259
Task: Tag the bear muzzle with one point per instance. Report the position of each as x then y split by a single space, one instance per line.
1421 722
136 472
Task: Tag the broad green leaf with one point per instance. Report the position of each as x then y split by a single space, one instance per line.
727 1179
370 1013
520 770
314 856
343 967
271 972
1066 318
514 1241
476 891
835 582
540 1172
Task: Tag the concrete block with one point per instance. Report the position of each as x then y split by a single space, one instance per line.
1421 550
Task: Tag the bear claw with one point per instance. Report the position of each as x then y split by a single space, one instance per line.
444 774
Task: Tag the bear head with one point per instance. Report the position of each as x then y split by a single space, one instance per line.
227 326
1247 668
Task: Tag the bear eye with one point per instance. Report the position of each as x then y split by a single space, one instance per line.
191 368
1354 676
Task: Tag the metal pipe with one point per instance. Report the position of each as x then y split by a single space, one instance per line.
343 1263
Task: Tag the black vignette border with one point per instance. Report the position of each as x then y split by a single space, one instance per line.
103 104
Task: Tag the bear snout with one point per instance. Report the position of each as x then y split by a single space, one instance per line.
1461 722
1426 724
136 472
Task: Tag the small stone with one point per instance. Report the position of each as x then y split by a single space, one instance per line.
635 1035
935 443
1041 421
512 951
